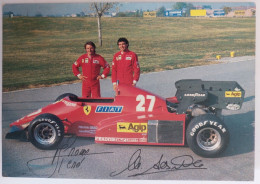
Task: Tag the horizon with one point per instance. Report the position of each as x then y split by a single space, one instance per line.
58 9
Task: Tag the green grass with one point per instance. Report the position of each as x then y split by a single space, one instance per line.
40 51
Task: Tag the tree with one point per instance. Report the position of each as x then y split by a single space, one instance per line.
179 5
185 7
100 9
160 12
227 10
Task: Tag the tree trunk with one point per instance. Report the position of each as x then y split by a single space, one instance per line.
99 31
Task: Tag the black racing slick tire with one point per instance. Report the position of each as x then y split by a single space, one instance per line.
207 136
46 131
65 95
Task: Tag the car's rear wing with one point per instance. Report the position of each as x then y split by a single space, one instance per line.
216 94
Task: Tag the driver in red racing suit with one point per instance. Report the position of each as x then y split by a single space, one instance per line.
90 64
125 66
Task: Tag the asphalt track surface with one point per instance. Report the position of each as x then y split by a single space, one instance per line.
22 159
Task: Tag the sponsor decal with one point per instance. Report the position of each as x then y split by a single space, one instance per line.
233 94
87 129
128 58
87 109
96 62
69 104
119 139
131 127
195 94
233 107
119 57
84 60
149 14
108 109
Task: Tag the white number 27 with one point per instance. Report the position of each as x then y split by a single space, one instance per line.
141 99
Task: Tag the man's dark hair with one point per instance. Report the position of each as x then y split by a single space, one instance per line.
123 40
90 43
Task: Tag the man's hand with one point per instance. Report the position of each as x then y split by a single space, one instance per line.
99 77
134 82
81 77
115 87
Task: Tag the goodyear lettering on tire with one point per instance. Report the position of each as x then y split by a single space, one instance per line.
52 122
204 123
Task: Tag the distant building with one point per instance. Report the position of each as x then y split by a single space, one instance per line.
8 14
107 14
206 7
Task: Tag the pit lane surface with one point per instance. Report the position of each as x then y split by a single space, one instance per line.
99 161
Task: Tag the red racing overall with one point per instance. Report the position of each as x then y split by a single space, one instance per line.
125 68
91 70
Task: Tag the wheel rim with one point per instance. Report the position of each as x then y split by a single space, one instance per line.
208 139
45 133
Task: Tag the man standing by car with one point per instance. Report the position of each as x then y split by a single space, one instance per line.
90 64
125 66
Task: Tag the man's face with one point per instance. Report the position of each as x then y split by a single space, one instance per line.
122 46
90 50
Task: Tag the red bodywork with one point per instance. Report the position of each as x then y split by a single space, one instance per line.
129 118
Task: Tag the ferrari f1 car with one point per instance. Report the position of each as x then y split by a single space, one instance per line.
136 116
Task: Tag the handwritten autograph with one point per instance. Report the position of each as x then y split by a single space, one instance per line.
66 156
178 163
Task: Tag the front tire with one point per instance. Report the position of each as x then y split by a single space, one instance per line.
207 135
46 131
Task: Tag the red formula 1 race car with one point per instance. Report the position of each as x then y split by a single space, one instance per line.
136 116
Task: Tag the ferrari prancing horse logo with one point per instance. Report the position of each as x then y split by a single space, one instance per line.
87 109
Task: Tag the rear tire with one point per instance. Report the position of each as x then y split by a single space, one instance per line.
207 135
46 131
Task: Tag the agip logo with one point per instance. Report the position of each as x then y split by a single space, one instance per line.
132 127
233 94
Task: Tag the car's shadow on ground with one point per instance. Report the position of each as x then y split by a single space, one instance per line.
74 141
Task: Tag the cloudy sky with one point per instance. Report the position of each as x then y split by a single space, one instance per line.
46 8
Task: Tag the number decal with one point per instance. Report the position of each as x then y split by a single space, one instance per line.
140 107
152 98
141 99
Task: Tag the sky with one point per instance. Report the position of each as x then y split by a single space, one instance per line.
74 8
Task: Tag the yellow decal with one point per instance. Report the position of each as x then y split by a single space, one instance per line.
240 12
87 109
149 14
132 127
198 13
233 94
